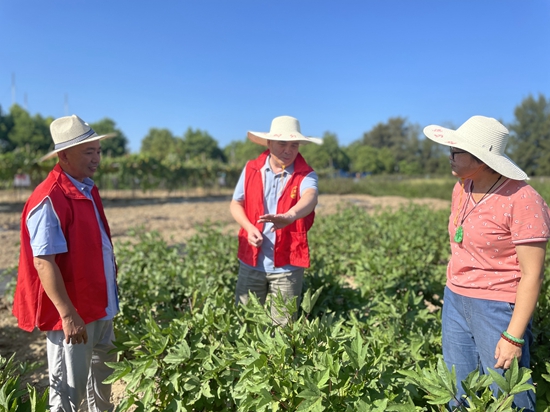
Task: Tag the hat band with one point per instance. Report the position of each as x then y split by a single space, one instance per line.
78 139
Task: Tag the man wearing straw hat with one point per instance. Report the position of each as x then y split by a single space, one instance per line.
66 283
274 204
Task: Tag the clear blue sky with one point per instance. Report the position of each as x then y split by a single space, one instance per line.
230 66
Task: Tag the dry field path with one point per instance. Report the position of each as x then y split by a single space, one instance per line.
175 217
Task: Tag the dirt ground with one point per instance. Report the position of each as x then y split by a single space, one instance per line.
175 217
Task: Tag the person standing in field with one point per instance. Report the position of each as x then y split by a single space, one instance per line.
66 283
274 203
499 228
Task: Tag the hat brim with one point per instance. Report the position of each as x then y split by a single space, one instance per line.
90 139
261 138
499 163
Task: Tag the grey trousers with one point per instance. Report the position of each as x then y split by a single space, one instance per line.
262 284
77 371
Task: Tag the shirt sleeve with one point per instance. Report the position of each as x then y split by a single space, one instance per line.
238 193
45 232
529 218
309 182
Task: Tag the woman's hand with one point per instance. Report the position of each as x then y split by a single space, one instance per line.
505 353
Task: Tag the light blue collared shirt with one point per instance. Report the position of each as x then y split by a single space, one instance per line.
273 187
47 238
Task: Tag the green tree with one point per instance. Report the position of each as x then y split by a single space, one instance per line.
530 136
394 135
239 152
115 146
158 143
363 158
422 155
198 144
392 145
327 155
6 124
30 132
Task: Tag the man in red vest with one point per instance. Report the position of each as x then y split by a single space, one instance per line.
66 283
274 204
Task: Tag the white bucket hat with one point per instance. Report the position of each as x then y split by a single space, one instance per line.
483 137
70 131
283 128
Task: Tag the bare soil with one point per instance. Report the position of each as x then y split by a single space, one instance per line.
174 216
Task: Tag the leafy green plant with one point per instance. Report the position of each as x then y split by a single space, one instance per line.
370 309
13 398
440 386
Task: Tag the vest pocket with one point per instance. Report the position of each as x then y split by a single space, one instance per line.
299 250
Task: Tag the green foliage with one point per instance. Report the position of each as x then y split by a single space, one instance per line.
530 142
370 310
240 152
13 398
145 172
21 160
435 188
440 386
395 147
198 144
114 146
195 145
329 155
158 143
28 132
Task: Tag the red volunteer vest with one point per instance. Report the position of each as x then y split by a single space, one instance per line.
291 245
81 267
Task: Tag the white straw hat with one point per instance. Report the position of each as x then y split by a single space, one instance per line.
483 137
283 128
70 131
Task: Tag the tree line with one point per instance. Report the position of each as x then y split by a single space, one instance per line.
396 146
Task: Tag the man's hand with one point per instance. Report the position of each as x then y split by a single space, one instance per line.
255 237
74 329
279 221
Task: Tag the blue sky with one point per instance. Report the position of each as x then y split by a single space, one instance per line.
230 66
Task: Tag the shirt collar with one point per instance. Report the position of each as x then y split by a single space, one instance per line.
288 170
85 186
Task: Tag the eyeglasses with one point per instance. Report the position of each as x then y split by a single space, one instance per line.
453 153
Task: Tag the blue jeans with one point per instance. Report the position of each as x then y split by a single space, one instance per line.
471 329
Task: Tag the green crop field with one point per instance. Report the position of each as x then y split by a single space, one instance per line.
367 337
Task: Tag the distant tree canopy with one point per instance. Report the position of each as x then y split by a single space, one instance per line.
393 147
198 144
530 136
195 144
327 155
20 130
158 143
114 146
239 152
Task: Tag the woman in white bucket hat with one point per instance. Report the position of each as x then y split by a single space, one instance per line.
499 227
274 204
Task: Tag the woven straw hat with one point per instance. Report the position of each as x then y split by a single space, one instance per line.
71 131
283 128
483 137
